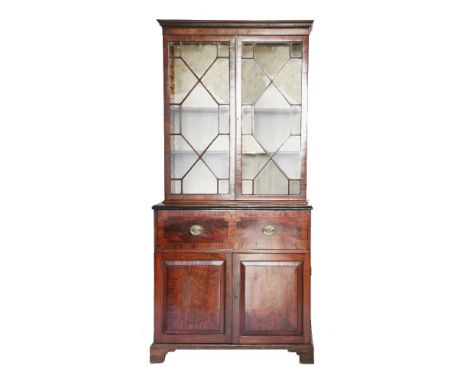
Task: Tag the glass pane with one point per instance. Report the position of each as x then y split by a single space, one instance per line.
176 186
247 50
292 144
271 181
199 56
252 164
294 187
247 187
272 119
272 98
271 57
288 81
254 157
199 118
182 156
181 80
216 80
295 120
296 49
200 180
246 119
271 93
288 157
254 81
223 49
223 186
224 119
217 157
175 119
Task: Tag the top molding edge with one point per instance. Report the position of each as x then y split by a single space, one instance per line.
236 23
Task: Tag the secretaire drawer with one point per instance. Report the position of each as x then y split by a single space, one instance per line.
187 229
272 230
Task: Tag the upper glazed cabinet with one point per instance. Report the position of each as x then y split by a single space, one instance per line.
235 114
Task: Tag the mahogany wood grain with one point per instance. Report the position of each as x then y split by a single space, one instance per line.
270 298
174 229
193 297
238 31
291 230
237 27
233 230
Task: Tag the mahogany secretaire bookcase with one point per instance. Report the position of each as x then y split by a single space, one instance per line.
232 238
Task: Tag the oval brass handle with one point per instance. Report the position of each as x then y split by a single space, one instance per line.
196 230
268 230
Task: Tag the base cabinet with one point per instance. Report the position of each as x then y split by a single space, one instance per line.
211 295
244 298
223 299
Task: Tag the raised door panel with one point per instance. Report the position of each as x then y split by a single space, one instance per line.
192 299
271 293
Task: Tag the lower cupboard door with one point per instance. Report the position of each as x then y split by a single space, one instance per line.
193 298
271 298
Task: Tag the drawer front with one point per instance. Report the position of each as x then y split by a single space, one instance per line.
271 230
185 229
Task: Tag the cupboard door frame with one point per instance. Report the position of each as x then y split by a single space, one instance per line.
303 153
225 293
239 335
168 38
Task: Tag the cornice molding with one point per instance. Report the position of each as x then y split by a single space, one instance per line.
236 23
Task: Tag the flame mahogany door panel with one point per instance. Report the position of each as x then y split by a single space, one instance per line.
193 297
271 298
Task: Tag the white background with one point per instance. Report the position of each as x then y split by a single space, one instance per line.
81 166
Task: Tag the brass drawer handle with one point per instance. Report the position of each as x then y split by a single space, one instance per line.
268 230
196 230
